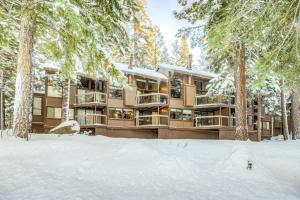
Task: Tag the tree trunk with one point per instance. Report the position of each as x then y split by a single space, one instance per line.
21 120
241 104
295 114
259 117
66 100
283 111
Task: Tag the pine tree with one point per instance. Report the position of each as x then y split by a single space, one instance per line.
184 51
41 17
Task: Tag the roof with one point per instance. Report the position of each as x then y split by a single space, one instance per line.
148 73
183 70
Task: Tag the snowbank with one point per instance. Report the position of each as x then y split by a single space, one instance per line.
81 167
68 127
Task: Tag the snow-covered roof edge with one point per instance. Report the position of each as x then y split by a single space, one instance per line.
148 73
180 69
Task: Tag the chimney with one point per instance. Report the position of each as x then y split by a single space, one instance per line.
190 61
130 64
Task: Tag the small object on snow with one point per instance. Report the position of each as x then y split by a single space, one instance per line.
250 165
68 127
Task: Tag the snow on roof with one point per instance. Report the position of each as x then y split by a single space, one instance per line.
179 69
149 73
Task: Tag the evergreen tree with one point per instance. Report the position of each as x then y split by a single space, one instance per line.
94 32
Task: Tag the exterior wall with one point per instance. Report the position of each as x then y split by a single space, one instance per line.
172 133
176 129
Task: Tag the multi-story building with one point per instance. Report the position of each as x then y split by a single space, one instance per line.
169 102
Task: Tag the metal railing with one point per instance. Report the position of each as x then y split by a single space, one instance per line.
91 97
152 120
151 98
92 119
215 121
222 99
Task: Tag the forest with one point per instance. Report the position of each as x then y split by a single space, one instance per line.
251 45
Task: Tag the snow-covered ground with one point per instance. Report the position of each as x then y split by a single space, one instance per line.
98 168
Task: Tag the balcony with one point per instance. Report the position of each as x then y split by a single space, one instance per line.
91 119
152 120
91 98
151 99
222 100
215 121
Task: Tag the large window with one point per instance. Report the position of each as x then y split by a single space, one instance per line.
266 125
187 115
115 92
176 87
175 113
119 113
53 112
200 87
37 106
180 114
149 85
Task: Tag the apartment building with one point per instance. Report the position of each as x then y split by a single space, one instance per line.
168 102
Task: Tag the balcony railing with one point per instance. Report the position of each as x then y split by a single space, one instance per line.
92 119
91 97
222 99
152 120
215 121
152 98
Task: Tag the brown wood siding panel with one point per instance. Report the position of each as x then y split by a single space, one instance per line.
176 103
121 123
130 95
116 103
37 118
187 134
53 101
128 133
181 123
52 122
189 95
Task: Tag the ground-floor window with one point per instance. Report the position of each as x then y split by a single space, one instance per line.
266 125
187 115
37 105
180 114
53 112
120 113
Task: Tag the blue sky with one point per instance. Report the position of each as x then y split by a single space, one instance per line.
161 13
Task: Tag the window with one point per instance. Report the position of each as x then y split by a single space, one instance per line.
175 113
176 87
249 120
266 125
54 91
53 112
119 113
201 87
141 84
115 92
71 114
37 106
187 115
152 86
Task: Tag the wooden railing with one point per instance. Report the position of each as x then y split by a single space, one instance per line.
152 120
215 121
92 119
151 98
91 97
222 99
